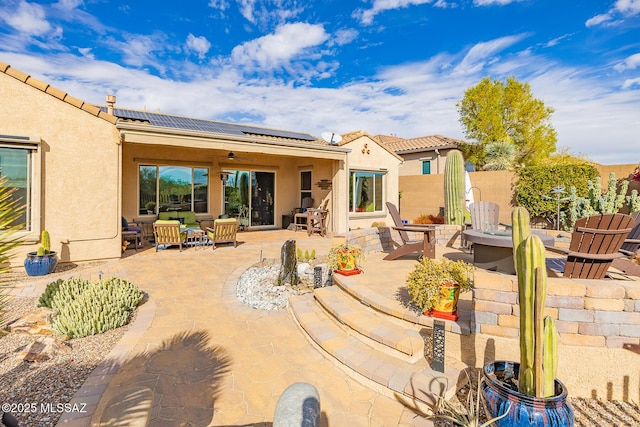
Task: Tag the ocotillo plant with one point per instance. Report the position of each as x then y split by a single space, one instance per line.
538 336
454 188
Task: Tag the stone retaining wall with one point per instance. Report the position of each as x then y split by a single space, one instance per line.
382 238
593 313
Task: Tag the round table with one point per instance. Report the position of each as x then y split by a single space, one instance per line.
494 250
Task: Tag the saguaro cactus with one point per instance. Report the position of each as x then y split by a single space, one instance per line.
538 336
454 188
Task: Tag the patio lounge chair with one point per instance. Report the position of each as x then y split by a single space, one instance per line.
595 244
630 249
168 232
408 245
224 230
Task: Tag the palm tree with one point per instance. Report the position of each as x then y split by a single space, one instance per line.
10 211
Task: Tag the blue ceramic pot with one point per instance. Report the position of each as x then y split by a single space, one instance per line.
525 411
40 265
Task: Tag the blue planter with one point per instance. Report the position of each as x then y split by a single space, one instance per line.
525 411
40 265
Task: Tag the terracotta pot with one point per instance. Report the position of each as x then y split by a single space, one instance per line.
525 411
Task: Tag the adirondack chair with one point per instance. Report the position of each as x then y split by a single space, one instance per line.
167 232
223 231
485 216
595 244
409 245
317 219
630 249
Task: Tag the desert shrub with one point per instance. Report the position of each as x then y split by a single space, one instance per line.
82 308
429 219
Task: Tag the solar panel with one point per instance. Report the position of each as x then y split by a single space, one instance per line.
202 125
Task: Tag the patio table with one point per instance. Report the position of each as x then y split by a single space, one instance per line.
494 250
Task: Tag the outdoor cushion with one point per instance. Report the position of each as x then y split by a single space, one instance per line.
223 231
186 218
168 232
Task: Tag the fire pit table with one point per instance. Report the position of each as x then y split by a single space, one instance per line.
493 250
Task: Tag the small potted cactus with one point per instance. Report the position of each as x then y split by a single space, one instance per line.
529 391
44 260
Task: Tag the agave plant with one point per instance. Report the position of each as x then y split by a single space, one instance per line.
10 211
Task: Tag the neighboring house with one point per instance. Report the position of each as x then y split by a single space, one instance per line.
425 155
79 168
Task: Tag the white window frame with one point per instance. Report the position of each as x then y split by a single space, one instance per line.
31 232
382 209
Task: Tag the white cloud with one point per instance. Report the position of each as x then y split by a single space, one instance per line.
629 83
27 18
366 15
493 2
222 5
483 53
266 13
630 63
199 45
621 10
346 36
279 48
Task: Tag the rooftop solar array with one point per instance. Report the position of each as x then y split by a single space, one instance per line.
202 125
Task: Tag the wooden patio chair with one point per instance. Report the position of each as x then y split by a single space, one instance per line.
485 216
317 219
300 218
408 245
595 244
168 232
224 230
630 249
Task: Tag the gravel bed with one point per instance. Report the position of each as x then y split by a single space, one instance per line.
257 286
588 412
33 390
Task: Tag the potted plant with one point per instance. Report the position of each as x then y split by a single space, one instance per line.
536 396
44 260
435 285
345 259
150 207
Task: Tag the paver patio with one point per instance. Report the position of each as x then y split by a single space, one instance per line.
193 339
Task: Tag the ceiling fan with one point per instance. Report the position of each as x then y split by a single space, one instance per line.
233 157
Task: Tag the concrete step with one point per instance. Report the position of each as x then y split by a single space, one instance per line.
415 381
357 287
376 328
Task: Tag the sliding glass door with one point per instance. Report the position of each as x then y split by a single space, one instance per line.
249 196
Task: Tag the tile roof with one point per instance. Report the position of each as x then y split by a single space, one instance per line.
423 143
352 136
57 93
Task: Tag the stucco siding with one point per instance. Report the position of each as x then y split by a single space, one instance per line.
80 190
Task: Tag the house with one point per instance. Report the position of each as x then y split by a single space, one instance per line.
425 155
80 168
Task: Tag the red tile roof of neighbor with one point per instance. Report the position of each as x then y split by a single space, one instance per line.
400 145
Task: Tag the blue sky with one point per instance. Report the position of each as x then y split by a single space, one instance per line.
395 67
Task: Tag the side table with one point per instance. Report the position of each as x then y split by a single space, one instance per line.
128 236
196 237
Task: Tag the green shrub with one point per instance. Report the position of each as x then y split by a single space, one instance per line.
83 308
534 185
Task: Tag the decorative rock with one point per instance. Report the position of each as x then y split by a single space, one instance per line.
303 268
298 406
34 323
44 349
288 263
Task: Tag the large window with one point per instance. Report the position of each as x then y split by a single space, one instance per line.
366 191
173 188
17 158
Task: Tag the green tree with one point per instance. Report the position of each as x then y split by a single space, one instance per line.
494 111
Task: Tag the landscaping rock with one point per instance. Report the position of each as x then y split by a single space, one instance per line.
298 406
